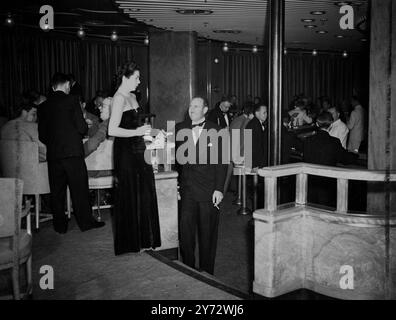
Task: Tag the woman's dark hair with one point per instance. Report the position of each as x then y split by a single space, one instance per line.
127 69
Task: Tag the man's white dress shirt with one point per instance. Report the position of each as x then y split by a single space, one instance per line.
338 129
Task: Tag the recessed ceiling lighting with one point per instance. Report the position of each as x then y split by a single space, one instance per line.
308 20
322 31
345 54
343 3
310 26
339 36
318 12
363 39
194 11
314 52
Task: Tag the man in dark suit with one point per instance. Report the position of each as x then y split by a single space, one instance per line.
323 149
258 125
62 128
220 114
257 157
201 184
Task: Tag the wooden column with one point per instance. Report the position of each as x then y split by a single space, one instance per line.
382 108
173 82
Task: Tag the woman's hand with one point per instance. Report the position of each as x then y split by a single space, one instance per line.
143 130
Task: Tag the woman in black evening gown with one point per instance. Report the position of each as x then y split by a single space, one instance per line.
136 223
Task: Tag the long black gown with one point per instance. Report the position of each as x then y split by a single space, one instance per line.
136 222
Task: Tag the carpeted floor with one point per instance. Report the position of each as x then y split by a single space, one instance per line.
85 266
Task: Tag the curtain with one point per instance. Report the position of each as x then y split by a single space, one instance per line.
328 75
29 60
244 74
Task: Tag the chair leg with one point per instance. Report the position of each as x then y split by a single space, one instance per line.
98 203
29 275
15 282
68 201
37 207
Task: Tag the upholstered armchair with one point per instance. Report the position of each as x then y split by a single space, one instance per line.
20 159
15 244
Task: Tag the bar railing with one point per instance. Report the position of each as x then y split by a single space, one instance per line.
302 170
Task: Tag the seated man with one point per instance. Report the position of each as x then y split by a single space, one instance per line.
93 142
100 133
24 128
94 105
323 149
338 129
91 119
299 115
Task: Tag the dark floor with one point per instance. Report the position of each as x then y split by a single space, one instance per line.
86 268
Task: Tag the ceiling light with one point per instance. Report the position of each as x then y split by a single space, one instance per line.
322 31
46 27
310 26
318 12
308 20
194 11
81 33
343 3
363 39
146 41
114 36
9 21
254 49
285 51
216 60
345 54
225 47
314 52
339 36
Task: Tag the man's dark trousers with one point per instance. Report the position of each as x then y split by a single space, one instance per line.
206 216
70 172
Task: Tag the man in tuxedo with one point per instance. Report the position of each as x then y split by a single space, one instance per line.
258 125
201 184
321 148
62 128
220 114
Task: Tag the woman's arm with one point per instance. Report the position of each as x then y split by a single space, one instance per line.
115 119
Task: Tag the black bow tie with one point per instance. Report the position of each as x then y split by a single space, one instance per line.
198 124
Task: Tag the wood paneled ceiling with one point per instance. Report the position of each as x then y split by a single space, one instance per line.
244 21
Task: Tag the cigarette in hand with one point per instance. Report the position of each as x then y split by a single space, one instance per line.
216 205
